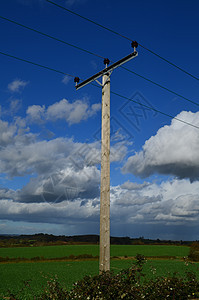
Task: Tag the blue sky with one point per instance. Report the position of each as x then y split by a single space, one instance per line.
50 133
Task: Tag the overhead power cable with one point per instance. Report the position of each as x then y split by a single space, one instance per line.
161 86
156 110
169 62
100 56
123 36
149 107
35 64
50 36
114 93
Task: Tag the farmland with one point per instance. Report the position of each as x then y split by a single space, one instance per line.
116 250
13 275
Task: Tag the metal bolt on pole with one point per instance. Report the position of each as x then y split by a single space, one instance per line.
104 264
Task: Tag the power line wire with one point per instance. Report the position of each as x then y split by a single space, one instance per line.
97 55
151 108
156 110
35 64
123 36
89 20
161 86
169 62
114 93
50 36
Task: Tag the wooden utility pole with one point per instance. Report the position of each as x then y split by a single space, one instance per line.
104 264
105 178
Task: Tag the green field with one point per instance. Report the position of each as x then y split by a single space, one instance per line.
14 275
116 250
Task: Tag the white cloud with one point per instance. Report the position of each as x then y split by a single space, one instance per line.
133 185
21 153
35 113
59 213
173 150
17 85
72 113
63 169
65 186
35 156
7 133
173 204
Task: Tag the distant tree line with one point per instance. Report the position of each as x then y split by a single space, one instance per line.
50 239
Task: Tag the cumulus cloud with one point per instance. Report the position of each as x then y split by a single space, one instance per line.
6 193
7 133
172 151
174 202
151 205
21 153
72 113
35 156
65 184
17 85
35 113
60 213
65 179
57 178
62 169
133 185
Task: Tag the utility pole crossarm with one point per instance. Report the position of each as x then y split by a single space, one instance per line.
106 70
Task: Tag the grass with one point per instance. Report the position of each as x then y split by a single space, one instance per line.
116 250
149 250
14 275
50 251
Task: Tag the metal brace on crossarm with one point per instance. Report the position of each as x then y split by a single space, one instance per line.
109 69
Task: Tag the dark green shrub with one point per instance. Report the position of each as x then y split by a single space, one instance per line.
124 285
131 284
54 290
194 252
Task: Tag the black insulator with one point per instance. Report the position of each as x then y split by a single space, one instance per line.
134 44
106 61
76 79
